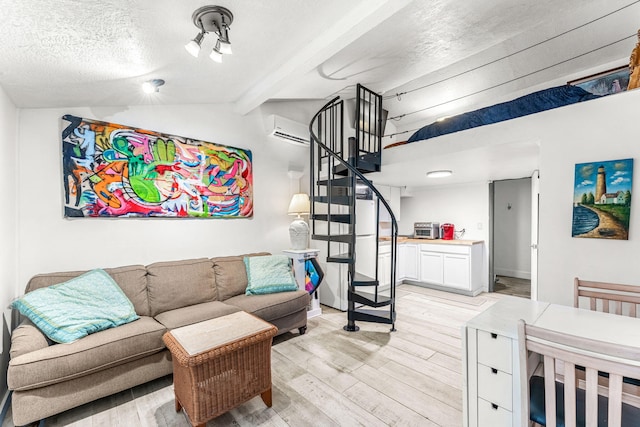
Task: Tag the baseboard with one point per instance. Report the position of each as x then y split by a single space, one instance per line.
518 274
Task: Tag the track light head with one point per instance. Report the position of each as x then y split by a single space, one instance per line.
193 47
223 38
216 54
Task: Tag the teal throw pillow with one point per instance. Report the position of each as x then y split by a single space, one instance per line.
269 274
71 310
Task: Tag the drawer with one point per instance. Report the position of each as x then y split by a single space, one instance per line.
495 386
495 351
445 248
490 415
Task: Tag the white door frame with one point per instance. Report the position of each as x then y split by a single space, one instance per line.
535 192
535 206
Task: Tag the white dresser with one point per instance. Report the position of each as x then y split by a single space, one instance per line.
491 382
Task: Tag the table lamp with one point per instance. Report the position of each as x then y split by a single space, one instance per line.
299 229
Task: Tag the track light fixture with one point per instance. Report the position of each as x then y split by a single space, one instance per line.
212 19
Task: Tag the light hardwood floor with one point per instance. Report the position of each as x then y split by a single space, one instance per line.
329 377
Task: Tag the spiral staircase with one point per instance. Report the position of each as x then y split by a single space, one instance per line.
338 165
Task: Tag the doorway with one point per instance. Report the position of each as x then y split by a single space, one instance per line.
511 231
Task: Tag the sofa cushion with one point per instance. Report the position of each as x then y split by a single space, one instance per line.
60 362
271 306
177 284
132 279
269 274
195 313
86 304
231 275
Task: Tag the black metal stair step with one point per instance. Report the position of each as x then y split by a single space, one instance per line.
365 165
371 158
360 279
334 200
341 218
370 299
375 316
346 181
341 258
342 238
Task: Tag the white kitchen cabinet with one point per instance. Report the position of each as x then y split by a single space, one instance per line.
392 196
384 266
451 265
431 267
385 190
408 261
456 270
401 267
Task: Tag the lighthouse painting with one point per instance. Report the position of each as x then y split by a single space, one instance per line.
602 199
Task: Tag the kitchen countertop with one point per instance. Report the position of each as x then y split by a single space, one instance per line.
433 241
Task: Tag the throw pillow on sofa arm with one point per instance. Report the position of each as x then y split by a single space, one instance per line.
73 309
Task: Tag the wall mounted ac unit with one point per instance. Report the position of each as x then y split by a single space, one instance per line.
288 130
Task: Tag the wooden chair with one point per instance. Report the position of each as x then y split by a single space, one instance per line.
572 405
607 293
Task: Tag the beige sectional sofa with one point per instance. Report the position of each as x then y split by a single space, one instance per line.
48 378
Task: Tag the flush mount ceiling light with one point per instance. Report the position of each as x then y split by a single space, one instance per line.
212 19
151 86
439 173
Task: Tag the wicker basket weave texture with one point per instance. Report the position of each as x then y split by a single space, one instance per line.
215 381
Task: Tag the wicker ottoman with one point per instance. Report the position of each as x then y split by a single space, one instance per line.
219 364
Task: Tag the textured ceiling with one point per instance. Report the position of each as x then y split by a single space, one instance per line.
60 53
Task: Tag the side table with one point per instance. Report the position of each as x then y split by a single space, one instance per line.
219 364
299 257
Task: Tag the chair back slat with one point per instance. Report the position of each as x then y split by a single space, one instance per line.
550 388
624 297
591 394
615 405
570 394
595 357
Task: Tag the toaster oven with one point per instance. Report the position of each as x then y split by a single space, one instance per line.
426 230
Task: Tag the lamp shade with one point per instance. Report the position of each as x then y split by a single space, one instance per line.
193 47
300 204
216 55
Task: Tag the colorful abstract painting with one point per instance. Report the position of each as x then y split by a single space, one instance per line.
602 199
111 170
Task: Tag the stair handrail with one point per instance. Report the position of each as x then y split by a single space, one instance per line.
394 223
314 137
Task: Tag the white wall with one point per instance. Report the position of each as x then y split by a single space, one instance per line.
512 228
48 242
602 129
466 206
8 242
